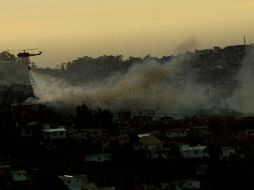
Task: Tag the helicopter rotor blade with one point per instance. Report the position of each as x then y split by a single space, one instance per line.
22 49
13 50
30 49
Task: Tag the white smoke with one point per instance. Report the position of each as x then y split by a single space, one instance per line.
168 87
243 97
13 73
189 44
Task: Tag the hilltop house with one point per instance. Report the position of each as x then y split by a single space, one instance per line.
71 182
227 151
53 134
150 143
194 151
19 175
176 133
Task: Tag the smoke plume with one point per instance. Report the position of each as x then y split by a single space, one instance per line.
169 87
243 97
188 45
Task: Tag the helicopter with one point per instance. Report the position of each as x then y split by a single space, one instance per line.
24 54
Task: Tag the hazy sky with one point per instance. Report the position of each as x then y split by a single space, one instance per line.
66 29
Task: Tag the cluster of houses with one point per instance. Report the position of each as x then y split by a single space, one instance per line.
157 144
157 140
13 178
22 179
80 182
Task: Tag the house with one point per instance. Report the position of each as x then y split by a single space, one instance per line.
175 185
72 182
79 134
26 132
150 143
176 133
123 139
53 134
19 175
31 129
95 133
4 170
120 139
93 186
249 132
83 134
123 116
216 49
227 151
80 182
146 116
5 175
200 131
191 184
89 186
166 120
194 151
123 129
181 185
98 157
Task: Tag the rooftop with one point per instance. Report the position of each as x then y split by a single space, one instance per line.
54 130
149 139
198 147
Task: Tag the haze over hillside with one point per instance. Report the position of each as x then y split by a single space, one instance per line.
208 79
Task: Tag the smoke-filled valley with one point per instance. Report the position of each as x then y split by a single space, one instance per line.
145 85
186 83
212 80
